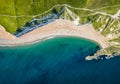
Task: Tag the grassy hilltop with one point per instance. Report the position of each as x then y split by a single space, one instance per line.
34 7
27 7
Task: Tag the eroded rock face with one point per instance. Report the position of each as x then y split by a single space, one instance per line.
5 35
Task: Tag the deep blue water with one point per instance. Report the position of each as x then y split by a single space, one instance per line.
59 60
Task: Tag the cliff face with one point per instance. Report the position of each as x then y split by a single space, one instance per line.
109 26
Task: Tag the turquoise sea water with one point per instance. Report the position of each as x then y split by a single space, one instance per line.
60 60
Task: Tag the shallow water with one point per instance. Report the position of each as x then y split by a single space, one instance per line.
59 60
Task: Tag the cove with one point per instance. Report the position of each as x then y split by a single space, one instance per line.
59 60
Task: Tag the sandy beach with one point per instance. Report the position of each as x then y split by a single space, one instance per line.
4 35
56 28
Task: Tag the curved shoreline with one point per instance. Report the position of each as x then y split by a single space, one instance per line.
24 43
57 28
43 39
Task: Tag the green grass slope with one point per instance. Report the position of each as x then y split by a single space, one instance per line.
7 7
23 8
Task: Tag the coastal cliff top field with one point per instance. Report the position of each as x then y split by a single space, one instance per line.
13 14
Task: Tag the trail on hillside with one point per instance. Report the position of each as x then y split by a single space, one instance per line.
68 6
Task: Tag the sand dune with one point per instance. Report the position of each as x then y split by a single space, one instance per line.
56 28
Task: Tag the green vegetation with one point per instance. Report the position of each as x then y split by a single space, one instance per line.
26 8
34 7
